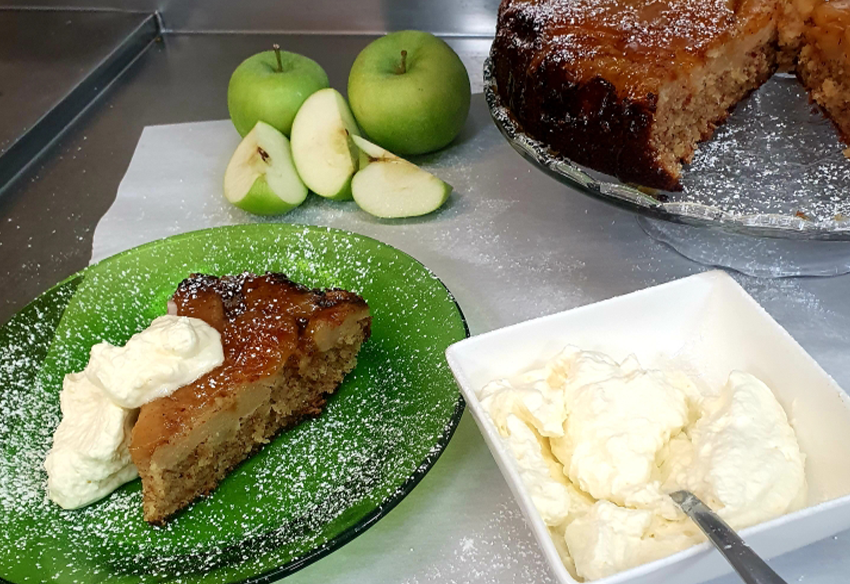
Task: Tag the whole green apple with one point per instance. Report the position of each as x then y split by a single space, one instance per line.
409 92
270 87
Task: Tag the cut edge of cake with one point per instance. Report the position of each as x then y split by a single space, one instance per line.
647 141
823 60
689 109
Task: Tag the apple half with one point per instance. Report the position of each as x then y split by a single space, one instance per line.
261 177
322 148
392 188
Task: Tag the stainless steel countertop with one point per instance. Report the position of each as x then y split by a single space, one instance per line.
43 54
47 216
567 249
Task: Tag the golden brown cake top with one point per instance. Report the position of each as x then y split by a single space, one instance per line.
635 44
264 321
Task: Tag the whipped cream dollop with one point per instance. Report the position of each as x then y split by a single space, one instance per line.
170 353
742 458
599 444
90 457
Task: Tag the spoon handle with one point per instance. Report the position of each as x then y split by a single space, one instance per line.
751 568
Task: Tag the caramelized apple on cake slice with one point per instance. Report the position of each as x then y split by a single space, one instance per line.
286 348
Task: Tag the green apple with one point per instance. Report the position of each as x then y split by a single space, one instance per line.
261 177
324 154
270 87
391 187
409 92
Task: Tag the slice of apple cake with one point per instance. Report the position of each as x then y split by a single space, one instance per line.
286 348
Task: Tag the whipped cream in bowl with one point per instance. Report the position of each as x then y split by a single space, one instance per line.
598 445
596 413
89 457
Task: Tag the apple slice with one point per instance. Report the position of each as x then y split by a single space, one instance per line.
322 149
392 188
261 177
370 152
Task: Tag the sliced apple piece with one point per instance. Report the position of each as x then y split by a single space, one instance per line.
391 187
322 148
370 152
261 177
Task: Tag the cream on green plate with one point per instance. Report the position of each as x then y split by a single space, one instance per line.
308 492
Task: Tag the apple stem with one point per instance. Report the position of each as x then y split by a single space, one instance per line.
402 68
276 48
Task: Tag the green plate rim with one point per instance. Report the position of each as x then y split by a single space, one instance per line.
387 504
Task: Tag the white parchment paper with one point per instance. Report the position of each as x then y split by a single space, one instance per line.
173 185
468 528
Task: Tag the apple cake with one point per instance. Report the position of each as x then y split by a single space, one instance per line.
629 87
286 348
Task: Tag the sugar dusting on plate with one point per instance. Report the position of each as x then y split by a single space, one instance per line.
386 425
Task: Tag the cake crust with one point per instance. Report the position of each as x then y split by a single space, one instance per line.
286 348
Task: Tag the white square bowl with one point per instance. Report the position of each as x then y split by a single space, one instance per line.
706 325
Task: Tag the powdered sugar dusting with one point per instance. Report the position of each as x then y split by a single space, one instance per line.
689 25
633 43
775 166
490 554
775 155
388 422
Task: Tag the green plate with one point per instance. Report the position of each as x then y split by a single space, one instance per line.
310 491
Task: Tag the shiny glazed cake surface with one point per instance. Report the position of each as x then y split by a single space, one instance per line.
633 44
264 321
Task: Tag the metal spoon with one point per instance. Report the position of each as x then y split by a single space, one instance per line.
751 568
